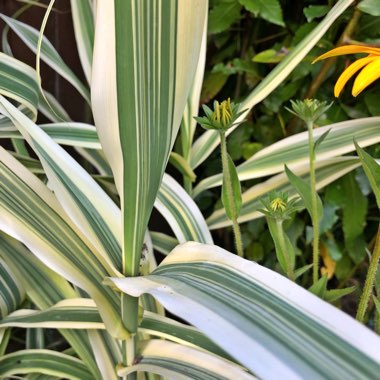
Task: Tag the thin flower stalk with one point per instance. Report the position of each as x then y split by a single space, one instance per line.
370 280
314 207
309 110
221 118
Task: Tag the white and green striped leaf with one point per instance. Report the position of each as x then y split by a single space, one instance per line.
31 214
88 206
35 338
189 124
174 361
167 328
45 288
47 362
152 54
5 335
327 171
73 313
31 163
18 82
172 201
163 243
49 54
181 212
206 144
107 351
182 166
49 106
65 133
259 317
82 314
83 19
12 292
293 151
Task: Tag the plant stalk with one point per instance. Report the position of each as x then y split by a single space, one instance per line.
314 205
129 315
186 148
370 279
228 184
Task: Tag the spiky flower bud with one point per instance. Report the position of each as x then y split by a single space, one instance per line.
278 206
222 117
309 110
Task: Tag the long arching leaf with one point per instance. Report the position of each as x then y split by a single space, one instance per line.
293 151
268 323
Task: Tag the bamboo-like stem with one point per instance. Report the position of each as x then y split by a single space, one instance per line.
370 279
129 315
229 191
187 184
314 205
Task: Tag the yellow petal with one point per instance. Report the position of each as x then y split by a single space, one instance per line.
367 76
348 49
349 72
329 263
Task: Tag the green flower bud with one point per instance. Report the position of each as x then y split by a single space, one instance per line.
278 206
309 110
222 117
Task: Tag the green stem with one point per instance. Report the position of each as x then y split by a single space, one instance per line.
186 148
228 184
377 321
129 315
188 185
370 279
314 204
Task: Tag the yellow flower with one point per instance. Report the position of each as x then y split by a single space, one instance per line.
369 66
278 204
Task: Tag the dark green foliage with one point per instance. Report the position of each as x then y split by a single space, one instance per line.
247 39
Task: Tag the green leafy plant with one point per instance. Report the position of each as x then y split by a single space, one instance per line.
76 251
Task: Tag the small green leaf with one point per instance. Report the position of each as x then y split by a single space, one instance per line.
334 294
372 170
222 15
371 7
320 287
303 189
300 271
269 10
320 140
233 210
284 249
314 11
377 304
269 56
